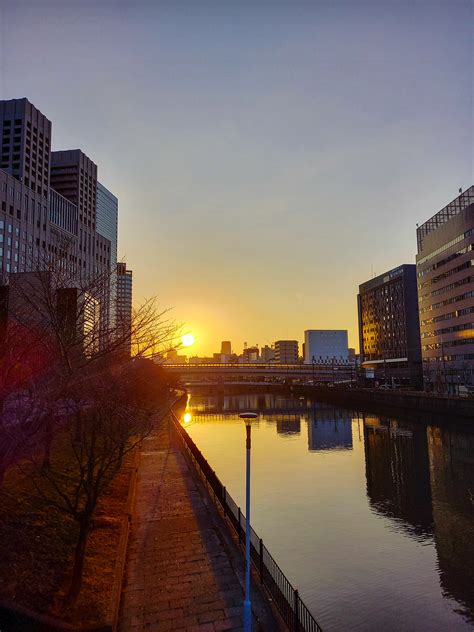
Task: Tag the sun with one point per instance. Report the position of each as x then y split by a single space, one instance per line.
187 340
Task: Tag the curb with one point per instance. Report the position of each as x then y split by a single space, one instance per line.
123 545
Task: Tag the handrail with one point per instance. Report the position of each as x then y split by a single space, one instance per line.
290 605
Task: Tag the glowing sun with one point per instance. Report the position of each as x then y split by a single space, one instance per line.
187 340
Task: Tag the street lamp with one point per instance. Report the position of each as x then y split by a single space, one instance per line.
248 418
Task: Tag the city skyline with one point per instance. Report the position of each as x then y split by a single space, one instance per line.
244 145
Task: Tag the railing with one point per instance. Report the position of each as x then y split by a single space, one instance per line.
290 605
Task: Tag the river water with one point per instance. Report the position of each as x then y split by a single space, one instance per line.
371 518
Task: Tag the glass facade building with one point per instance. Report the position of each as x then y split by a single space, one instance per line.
445 278
389 329
107 226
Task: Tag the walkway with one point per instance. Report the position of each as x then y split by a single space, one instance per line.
179 575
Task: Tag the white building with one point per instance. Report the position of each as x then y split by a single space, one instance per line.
325 345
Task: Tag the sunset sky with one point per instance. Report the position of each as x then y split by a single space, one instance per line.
268 156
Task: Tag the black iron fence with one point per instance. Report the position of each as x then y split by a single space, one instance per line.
290 605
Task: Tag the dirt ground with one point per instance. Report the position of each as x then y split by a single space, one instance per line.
37 545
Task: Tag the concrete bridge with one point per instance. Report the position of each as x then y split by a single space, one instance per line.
262 373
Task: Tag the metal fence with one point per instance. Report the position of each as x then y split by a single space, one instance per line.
290 605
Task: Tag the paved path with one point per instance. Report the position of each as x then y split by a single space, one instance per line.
178 574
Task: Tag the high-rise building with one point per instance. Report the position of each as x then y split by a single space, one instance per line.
107 226
25 230
48 203
26 144
446 295
286 351
226 347
74 176
325 345
389 327
124 300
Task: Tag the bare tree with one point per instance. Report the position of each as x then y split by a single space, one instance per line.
83 387
118 410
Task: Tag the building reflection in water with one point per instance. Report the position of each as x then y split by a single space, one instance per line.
397 472
329 428
419 477
451 456
423 479
289 426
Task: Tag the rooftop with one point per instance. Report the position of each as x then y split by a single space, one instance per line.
463 200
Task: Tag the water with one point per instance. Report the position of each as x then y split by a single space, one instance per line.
371 518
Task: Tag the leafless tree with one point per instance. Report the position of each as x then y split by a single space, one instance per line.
118 410
82 386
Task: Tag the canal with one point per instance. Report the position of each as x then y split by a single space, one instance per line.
371 518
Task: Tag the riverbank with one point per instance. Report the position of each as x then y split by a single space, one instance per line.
387 402
443 409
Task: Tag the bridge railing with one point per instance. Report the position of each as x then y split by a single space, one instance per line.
290 605
307 368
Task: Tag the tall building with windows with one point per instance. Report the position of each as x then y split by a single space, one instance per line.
74 176
389 334
124 300
326 345
26 144
286 351
107 226
25 229
47 201
445 274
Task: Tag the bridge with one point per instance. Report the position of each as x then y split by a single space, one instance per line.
262 373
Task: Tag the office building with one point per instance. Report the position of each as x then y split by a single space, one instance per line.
389 327
44 200
286 351
446 295
326 345
107 226
267 354
250 355
74 176
26 144
226 347
124 302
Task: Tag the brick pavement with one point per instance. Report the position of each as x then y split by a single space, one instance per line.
178 574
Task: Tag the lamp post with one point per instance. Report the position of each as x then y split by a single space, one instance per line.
248 418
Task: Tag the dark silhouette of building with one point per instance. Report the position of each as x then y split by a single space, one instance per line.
451 460
398 474
446 294
389 332
124 301
288 426
26 144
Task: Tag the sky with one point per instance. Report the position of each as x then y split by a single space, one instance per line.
268 156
